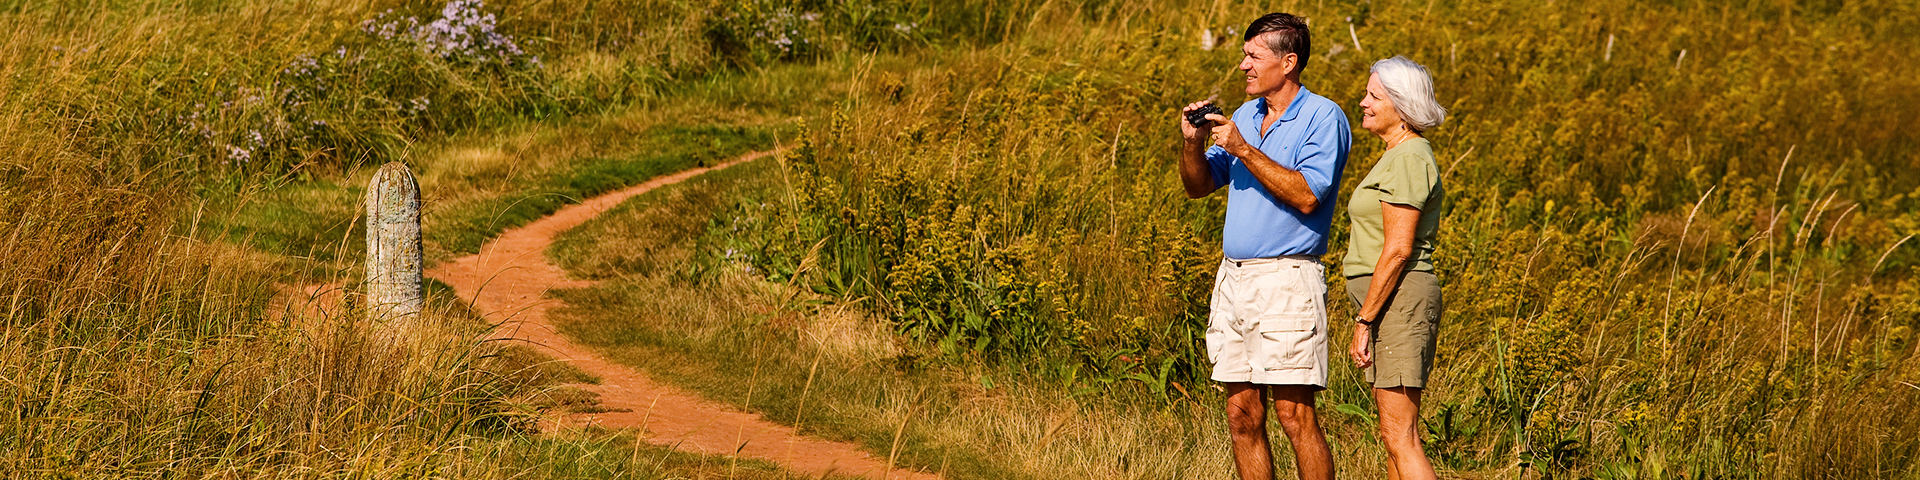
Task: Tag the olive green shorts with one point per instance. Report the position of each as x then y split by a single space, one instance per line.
1405 335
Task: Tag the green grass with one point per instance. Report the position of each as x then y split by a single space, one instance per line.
463 228
1643 282
603 454
977 236
183 357
169 178
835 371
475 188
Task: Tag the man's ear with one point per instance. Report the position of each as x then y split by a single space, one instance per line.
1290 61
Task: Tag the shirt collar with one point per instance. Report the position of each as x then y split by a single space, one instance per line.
1293 108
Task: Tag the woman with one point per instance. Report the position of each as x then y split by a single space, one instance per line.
1389 268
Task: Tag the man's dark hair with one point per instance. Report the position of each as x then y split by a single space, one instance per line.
1290 36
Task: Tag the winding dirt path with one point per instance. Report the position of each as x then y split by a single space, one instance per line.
507 282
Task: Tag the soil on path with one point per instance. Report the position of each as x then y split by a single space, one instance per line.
507 283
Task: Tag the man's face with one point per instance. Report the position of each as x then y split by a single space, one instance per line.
1266 72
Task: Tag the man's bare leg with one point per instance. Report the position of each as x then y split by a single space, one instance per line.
1399 421
1293 406
1247 424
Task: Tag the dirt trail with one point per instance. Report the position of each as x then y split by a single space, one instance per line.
507 282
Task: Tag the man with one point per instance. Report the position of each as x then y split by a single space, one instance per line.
1282 155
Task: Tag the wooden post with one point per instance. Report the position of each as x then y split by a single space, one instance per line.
394 295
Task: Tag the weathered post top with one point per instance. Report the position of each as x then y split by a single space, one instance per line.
393 246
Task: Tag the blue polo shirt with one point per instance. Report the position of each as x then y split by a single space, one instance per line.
1311 137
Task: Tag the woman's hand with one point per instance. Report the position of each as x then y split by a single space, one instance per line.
1227 136
1192 134
1361 350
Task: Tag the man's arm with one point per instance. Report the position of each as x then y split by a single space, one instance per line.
1291 187
1287 186
1196 173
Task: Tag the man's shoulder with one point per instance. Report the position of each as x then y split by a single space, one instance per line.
1321 109
1246 109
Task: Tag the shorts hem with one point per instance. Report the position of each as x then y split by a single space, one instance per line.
1235 378
1397 381
1303 378
1384 387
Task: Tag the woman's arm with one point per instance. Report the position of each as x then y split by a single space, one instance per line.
1399 224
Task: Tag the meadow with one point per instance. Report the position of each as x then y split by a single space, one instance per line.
1678 241
175 174
1667 259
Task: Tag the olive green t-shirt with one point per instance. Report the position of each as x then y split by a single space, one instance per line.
1406 175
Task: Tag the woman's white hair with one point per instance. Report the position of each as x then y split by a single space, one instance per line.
1411 89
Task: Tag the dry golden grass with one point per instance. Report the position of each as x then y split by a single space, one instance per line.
1618 320
1616 309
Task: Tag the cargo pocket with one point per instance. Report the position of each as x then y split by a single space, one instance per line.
1287 341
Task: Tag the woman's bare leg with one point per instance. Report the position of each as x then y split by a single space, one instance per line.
1400 431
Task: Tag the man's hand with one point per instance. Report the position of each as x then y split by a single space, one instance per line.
1227 136
1196 176
1362 348
1193 135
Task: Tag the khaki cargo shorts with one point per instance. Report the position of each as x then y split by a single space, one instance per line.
1407 332
1269 322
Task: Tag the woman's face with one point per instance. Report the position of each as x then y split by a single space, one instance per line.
1377 114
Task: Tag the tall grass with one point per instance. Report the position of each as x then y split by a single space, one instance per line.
131 351
1674 254
138 342
837 370
1657 265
